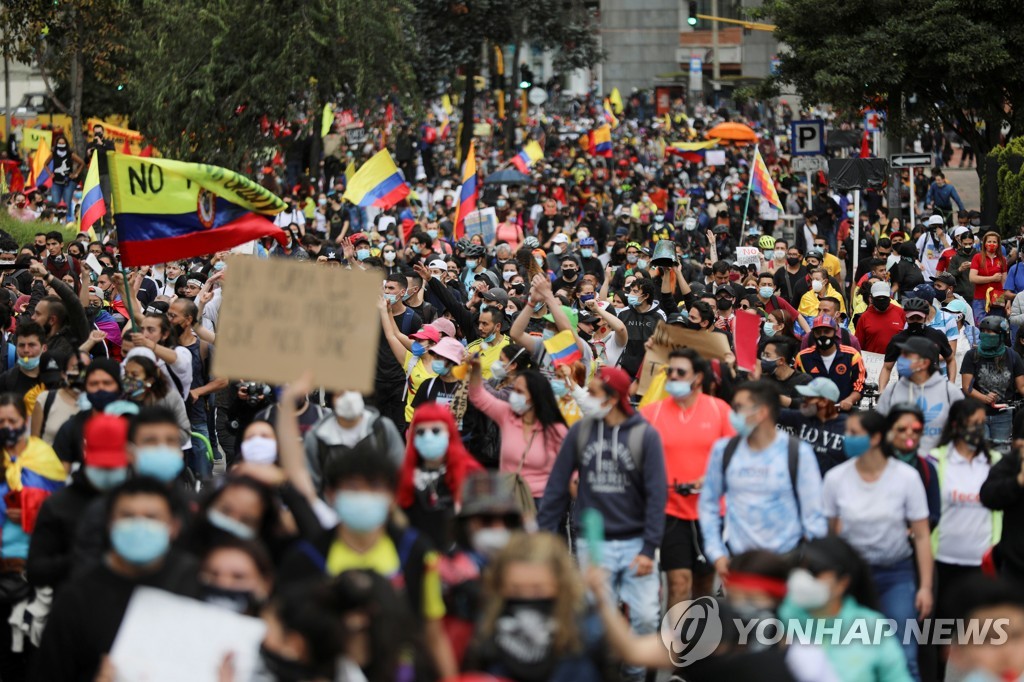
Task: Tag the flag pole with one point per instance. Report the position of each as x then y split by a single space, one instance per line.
120 265
746 205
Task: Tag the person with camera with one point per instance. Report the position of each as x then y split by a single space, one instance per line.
689 422
932 244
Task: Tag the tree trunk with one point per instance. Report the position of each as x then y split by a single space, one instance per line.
468 104
512 111
77 84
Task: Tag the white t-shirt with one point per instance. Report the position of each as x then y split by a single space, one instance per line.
965 527
286 218
874 516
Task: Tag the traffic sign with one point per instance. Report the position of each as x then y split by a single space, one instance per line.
873 121
808 164
537 96
807 138
696 65
910 160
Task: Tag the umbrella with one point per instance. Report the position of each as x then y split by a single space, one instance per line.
507 176
732 132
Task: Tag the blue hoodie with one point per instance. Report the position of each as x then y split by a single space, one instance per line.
632 501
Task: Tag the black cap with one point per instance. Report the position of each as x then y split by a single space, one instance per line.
496 295
489 277
945 278
49 368
678 318
918 345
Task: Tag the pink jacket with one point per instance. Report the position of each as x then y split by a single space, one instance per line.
543 450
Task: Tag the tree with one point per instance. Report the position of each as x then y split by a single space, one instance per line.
74 42
1010 179
210 72
957 58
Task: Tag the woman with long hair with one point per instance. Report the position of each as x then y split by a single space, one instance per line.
871 501
988 272
145 385
777 323
435 467
512 360
531 424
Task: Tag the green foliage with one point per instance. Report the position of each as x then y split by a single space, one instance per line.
1010 178
208 71
24 233
959 57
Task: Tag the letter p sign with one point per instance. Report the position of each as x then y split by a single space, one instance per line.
807 138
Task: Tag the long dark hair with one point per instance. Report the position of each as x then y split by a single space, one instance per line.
837 555
874 424
956 422
545 407
167 339
158 384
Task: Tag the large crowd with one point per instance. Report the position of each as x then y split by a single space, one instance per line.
526 493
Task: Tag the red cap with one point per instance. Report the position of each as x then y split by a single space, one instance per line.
619 382
105 441
427 333
359 237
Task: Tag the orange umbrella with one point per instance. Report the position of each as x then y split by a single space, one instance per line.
732 132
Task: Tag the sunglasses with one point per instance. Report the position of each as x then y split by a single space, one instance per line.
436 430
911 429
677 372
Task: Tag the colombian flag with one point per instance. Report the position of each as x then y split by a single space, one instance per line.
761 181
527 156
609 115
601 141
469 192
93 205
377 183
41 169
28 480
563 349
168 210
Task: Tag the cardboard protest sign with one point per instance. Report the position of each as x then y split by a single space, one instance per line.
714 157
159 626
748 255
279 318
666 337
748 331
873 367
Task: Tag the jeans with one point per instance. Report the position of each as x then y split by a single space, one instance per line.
999 429
979 311
196 458
65 193
640 594
897 587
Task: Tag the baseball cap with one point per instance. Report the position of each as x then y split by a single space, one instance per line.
105 438
49 369
449 349
961 231
332 255
560 238
496 295
821 387
825 321
918 345
925 291
880 289
445 326
427 333
570 313
935 220
946 278
437 264
619 382
489 277
958 307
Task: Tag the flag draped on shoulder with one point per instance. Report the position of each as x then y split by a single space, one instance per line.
468 193
377 183
168 210
41 168
527 156
94 206
761 181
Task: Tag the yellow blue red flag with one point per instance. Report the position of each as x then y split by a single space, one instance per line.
527 156
93 205
377 183
469 192
167 210
563 349
41 169
601 141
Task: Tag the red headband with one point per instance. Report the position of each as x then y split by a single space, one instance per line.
752 581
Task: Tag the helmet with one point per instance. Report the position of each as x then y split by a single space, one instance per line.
993 323
766 242
475 251
462 243
531 242
916 305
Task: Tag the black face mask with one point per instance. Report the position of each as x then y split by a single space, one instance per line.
824 342
690 324
793 260
723 304
569 275
881 303
915 327
768 367
237 601
707 271
284 669
524 639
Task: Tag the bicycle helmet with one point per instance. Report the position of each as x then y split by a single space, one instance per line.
462 244
475 251
993 323
531 242
766 242
916 305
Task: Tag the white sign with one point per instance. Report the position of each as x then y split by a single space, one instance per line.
748 255
807 138
910 160
714 157
873 121
537 96
159 626
873 367
808 164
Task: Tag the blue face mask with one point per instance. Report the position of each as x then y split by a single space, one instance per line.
140 541
219 265
855 446
739 424
471 264
547 334
559 387
28 363
417 349
362 254
161 462
769 328
765 292
903 368
105 479
431 446
363 512
678 389
223 522
633 300
587 253
432 234
439 367
391 298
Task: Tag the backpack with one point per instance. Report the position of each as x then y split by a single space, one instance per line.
324 451
51 398
406 321
634 441
793 463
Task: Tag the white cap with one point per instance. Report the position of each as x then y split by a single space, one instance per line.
935 220
961 231
880 289
437 264
560 238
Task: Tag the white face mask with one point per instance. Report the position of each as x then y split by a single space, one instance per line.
349 405
389 256
489 541
806 591
817 285
591 406
498 370
259 450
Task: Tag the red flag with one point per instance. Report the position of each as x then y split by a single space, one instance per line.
865 146
127 148
147 151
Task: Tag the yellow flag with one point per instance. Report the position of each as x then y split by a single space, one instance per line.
327 121
616 100
32 136
446 104
350 170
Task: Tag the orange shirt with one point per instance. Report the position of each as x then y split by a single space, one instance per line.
687 437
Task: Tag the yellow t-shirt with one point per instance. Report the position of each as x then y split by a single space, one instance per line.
809 302
419 372
571 412
382 559
487 354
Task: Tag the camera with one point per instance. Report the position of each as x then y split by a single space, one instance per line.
257 393
685 489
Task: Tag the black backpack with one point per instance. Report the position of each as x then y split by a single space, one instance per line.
793 457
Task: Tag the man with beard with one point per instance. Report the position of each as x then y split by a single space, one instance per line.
62 317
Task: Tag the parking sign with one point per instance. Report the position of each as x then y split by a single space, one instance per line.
807 138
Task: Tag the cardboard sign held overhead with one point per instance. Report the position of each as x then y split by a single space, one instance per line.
280 318
666 338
